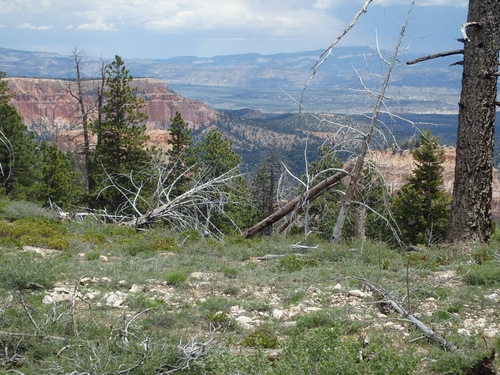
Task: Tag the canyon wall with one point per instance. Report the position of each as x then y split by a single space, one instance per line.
396 166
48 108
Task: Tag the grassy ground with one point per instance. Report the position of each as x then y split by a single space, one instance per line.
87 298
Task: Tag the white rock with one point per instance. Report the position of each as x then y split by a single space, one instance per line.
493 297
337 287
358 293
103 258
105 279
87 280
122 282
115 299
244 322
48 300
463 332
278 314
91 295
135 289
200 276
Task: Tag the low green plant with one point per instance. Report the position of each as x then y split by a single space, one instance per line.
41 231
484 274
230 272
292 263
15 210
231 290
262 337
92 255
175 278
23 270
220 319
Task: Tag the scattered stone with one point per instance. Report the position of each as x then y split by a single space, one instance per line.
244 322
463 332
337 287
135 289
91 295
115 299
59 294
122 282
289 324
87 280
200 276
105 279
103 259
278 314
493 297
358 293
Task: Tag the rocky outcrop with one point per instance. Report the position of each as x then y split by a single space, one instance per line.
48 108
397 166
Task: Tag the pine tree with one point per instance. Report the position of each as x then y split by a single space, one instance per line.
58 180
120 129
421 207
17 154
5 93
215 154
179 157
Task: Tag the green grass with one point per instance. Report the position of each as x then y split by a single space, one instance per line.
295 313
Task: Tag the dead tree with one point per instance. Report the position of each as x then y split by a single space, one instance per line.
351 188
307 196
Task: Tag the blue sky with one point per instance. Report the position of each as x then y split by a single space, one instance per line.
167 28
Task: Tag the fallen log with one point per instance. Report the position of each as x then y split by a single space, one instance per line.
427 331
309 195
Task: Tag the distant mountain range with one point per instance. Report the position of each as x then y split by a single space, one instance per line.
274 83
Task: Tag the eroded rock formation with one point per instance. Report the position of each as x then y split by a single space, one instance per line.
49 110
396 166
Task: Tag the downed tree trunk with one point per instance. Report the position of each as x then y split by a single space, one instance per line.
429 333
309 195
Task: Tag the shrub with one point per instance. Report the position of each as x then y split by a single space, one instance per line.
175 278
14 210
230 273
40 231
484 274
27 271
262 337
292 263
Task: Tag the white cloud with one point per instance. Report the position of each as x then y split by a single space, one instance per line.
98 25
29 26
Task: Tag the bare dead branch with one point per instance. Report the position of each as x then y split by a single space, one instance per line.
435 56
309 195
346 200
427 331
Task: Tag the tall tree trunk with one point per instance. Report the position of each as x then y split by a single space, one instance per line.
472 191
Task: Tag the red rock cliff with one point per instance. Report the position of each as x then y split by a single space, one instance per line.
48 108
395 167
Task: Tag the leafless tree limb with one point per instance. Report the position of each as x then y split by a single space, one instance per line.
427 331
337 230
435 56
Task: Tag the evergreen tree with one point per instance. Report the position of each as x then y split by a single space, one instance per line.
421 207
120 131
215 157
179 159
5 93
17 154
58 180
215 154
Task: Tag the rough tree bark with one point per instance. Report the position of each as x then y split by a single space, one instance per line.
472 191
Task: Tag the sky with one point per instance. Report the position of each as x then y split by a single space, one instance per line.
159 29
